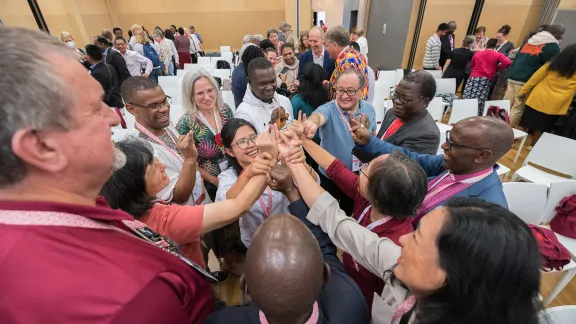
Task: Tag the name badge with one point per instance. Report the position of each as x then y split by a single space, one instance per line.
355 164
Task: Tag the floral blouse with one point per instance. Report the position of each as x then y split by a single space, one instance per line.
209 153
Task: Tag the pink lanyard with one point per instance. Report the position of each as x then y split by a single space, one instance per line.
432 192
375 224
404 308
267 209
344 118
159 141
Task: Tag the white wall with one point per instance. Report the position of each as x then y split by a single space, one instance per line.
349 5
334 11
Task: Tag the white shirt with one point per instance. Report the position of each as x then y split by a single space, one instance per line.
135 61
259 113
363 42
251 220
173 49
194 44
319 59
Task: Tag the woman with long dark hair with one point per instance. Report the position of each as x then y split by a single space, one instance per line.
550 91
311 93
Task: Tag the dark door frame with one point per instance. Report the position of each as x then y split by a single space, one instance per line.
35 8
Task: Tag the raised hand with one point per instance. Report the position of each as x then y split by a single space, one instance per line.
266 141
363 120
280 179
360 134
187 147
290 147
263 163
297 126
310 128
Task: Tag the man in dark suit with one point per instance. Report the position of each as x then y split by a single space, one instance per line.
448 42
114 59
105 75
317 54
409 124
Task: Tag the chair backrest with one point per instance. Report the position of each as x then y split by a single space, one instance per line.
399 75
558 315
437 74
129 119
208 67
436 108
557 192
554 152
504 104
224 49
228 98
443 128
463 108
119 134
388 77
176 112
172 86
222 73
444 86
188 66
182 73
203 60
526 200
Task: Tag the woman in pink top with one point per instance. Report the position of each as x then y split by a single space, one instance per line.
484 65
132 187
273 37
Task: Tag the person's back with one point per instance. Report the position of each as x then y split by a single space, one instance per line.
182 44
539 49
459 58
485 63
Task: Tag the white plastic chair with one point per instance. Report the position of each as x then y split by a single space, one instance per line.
436 108
437 74
228 98
518 134
224 49
552 152
189 66
176 112
443 128
129 119
558 190
399 75
221 73
558 315
224 57
182 73
204 60
526 200
444 86
119 134
503 172
463 108
172 86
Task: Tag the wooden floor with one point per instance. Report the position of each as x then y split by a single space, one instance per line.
230 293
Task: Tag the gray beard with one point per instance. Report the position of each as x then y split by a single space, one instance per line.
118 160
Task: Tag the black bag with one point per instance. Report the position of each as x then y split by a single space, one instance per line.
222 65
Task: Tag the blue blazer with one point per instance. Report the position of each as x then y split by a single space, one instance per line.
307 57
489 188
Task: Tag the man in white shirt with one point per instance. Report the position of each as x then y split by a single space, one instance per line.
357 36
195 48
134 61
261 99
317 54
433 49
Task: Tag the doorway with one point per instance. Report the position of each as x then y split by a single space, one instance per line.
353 19
319 16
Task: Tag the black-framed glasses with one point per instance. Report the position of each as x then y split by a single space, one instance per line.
349 92
395 95
155 106
450 144
244 143
364 169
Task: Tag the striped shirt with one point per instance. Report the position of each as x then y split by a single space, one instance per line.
432 54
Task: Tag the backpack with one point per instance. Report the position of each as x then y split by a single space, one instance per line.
564 223
151 54
495 111
222 64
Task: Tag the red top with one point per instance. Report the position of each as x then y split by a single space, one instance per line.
485 63
394 127
182 224
347 181
63 274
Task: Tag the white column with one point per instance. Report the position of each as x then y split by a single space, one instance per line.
362 9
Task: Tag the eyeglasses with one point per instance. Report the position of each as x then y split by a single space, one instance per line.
402 97
244 143
364 169
450 144
349 92
156 106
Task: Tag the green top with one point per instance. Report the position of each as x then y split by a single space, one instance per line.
529 59
298 104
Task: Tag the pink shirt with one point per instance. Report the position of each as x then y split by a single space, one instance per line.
485 63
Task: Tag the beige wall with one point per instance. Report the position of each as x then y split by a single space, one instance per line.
567 4
17 13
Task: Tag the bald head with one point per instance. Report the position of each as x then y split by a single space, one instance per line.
492 132
285 269
316 40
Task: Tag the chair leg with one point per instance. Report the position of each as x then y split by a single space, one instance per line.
564 280
514 178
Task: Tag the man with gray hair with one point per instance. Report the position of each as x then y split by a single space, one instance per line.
96 265
337 42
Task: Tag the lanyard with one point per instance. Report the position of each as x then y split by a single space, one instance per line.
344 118
267 209
431 193
205 121
404 308
159 141
499 47
375 224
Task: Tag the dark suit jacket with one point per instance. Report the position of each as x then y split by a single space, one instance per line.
446 48
117 61
307 57
420 135
340 301
107 80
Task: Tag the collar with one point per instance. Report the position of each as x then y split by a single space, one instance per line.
470 178
321 55
312 320
93 66
106 51
101 211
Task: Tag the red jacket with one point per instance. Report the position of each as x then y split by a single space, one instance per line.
485 63
67 274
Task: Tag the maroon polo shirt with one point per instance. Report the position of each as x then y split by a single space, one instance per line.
61 274
347 181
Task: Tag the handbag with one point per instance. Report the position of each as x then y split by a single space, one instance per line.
554 255
564 223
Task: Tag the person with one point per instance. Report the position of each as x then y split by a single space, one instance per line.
183 47
136 30
272 36
409 124
303 44
540 49
333 122
174 30
484 65
317 54
118 32
357 36
371 74
549 93
146 100
57 156
271 55
169 38
337 44
205 115
240 73
109 36
505 47
311 92
261 99
290 62
387 193
466 169
134 187
480 39
134 61
195 46
448 43
284 29
433 51
114 59
448 271
193 32
104 74
144 48
67 38
459 62
324 27
164 52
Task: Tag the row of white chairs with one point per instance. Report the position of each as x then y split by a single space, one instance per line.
535 204
214 60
